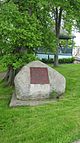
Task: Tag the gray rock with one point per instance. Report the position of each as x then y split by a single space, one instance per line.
24 90
16 102
77 141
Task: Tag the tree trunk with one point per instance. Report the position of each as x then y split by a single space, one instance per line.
10 75
58 15
56 54
56 59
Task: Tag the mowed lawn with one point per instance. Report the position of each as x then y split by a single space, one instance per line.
58 122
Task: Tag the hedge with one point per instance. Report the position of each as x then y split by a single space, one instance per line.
61 61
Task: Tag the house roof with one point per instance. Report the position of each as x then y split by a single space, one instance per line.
65 36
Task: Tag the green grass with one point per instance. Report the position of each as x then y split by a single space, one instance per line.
58 122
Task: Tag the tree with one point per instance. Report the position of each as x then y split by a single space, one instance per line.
27 26
21 33
61 13
18 33
41 10
64 15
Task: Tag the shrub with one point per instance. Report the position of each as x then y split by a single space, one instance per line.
68 60
61 61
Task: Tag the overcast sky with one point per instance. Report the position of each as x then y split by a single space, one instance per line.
77 39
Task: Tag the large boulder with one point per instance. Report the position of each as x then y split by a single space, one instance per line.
37 80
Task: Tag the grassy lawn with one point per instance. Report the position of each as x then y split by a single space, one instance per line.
58 122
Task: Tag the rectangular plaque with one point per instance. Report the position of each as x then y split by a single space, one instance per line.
39 75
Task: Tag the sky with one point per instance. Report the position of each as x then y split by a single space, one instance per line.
77 39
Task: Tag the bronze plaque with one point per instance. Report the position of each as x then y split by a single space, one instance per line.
39 75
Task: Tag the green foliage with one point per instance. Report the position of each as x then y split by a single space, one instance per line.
27 26
61 61
19 29
67 44
17 60
23 60
70 12
23 32
66 60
